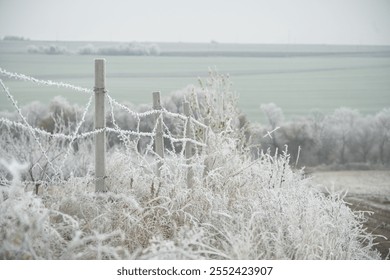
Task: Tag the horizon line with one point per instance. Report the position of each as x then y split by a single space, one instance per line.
216 42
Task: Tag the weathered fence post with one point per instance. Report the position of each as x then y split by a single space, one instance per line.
158 140
188 147
100 123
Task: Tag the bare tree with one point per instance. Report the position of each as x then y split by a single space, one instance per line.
383 124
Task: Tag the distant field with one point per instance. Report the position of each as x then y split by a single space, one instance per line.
296 78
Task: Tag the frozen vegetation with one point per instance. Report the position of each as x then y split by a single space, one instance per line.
122 49
49 49
117 49
248 201
14 38
343 139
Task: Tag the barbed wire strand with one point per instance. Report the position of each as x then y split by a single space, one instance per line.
151 112
74 136
32 131
63 136
123 134
26 78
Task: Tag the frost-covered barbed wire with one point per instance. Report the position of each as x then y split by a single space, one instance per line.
74 137
45 133
151 112
76 134
31 129
129 132
26 78
128 110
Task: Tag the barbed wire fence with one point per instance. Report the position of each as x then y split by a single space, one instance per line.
157 114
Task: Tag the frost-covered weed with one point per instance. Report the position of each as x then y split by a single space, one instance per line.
23 221
39 227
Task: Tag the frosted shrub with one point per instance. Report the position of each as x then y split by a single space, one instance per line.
51 227
24 226
263 210
276 215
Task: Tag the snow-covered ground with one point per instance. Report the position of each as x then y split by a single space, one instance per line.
356 183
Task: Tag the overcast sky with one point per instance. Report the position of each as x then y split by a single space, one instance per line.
235 21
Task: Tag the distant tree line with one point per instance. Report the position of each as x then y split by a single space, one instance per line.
133 48
14 38
47 49
129 49
344 137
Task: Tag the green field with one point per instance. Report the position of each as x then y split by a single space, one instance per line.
297 80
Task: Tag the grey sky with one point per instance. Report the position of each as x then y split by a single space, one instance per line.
236 21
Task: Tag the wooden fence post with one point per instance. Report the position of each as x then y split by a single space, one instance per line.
100 123
188 147
158 140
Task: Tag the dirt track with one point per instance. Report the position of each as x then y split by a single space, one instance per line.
378 222
367 191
